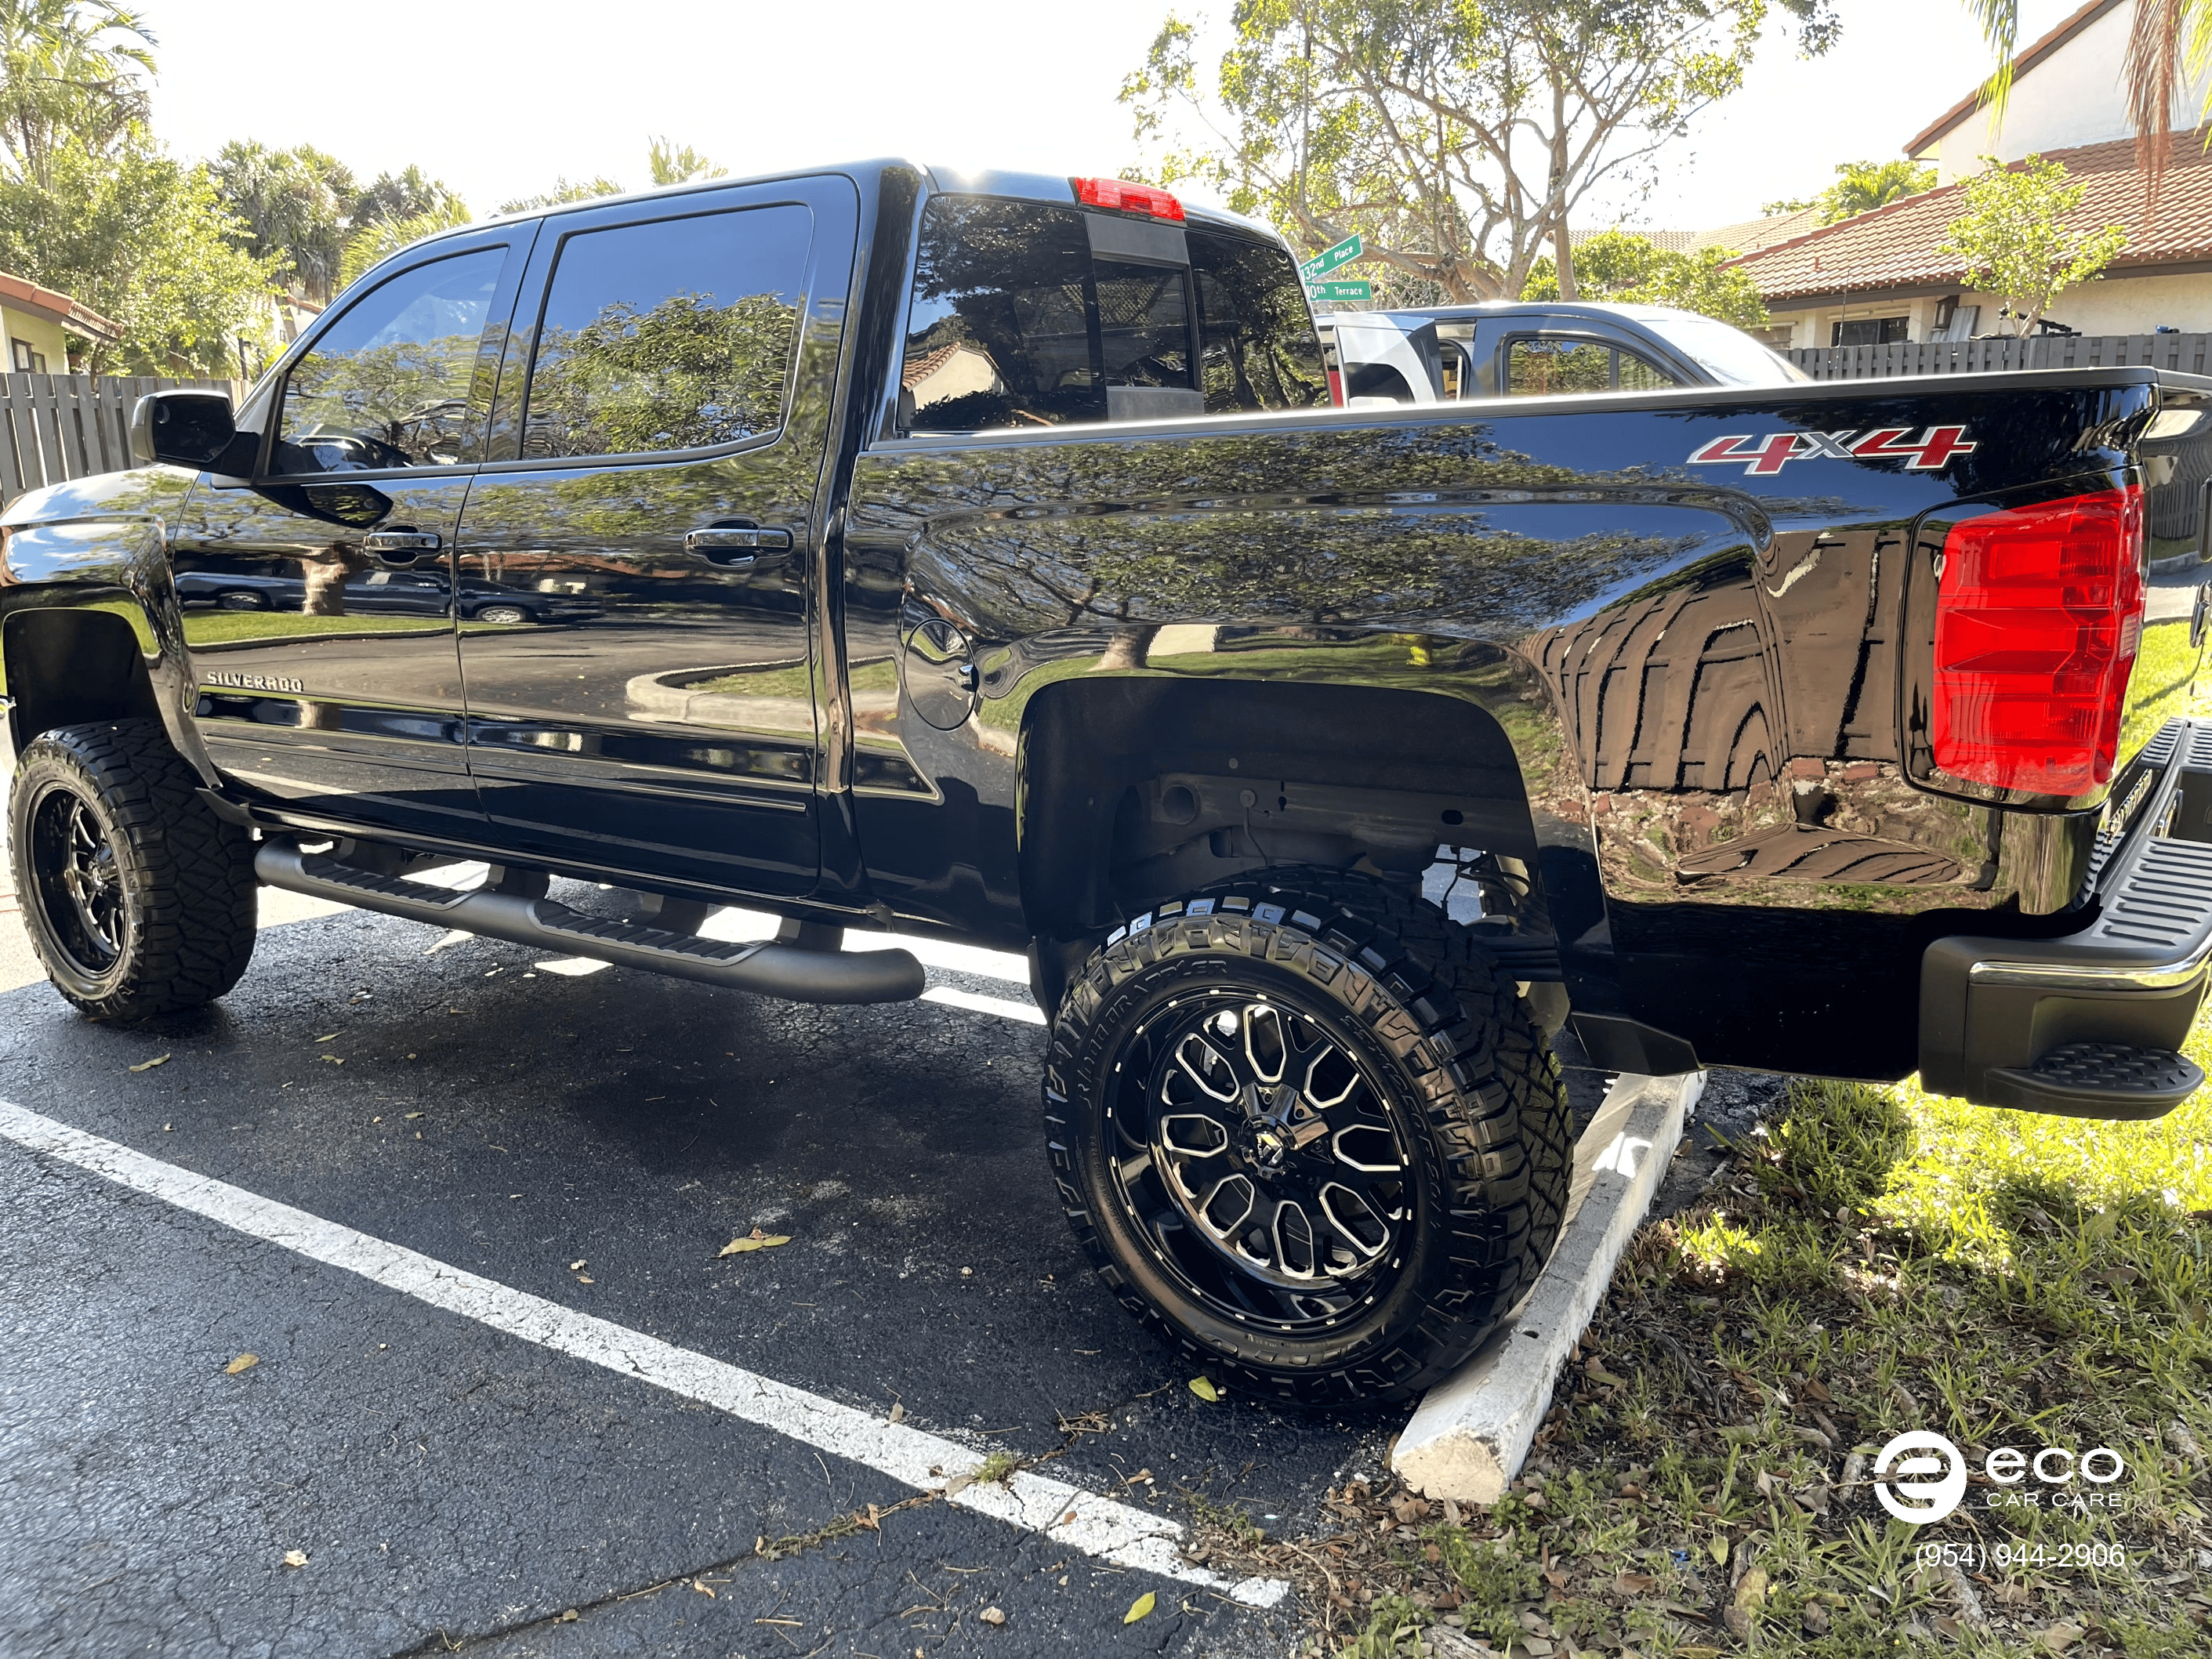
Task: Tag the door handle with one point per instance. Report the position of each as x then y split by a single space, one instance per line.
400 546
735 549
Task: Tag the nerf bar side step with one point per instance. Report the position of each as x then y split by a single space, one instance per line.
776 967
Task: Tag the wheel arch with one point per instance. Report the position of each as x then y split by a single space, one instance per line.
74 664
1132 785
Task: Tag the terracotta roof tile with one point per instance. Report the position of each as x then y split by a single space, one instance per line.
1894 246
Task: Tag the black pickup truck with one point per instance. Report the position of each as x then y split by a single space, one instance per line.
986 558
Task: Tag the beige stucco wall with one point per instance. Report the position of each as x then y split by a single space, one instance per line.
45 338
2110 305
2072 97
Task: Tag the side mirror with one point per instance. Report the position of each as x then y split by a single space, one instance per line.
184 427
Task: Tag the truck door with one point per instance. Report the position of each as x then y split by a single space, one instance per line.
317 602
656 458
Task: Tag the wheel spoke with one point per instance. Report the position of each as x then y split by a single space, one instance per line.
1354 1219
1267 1045
1208 1068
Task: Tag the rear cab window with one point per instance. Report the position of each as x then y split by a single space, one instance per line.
1027 314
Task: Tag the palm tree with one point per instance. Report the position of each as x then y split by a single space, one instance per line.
70 71
1863 186
293 203
2169 42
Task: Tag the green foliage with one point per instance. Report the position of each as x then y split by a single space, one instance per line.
69 76
685 374
294 205
409 194
1619 265
1862 186
678 164
378 240
564 190
148 242
2014 238
1456 139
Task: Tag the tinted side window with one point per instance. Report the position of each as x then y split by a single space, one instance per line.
1257 345
1000 333
387 384
1547 368
1542 367
674 335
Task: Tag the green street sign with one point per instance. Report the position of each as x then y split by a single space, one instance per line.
1339 290
1327 260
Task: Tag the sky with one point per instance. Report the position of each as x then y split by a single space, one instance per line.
498 99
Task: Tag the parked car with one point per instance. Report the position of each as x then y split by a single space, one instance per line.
1835 728
381 593
1442 354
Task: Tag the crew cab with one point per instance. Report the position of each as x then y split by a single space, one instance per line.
1533 349
982 556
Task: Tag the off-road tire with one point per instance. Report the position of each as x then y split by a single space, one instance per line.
1475 1075
184 930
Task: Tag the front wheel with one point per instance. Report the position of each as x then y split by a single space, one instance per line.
1306 1135
138 899
505 615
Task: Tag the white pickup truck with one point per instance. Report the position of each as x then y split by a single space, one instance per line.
1440 353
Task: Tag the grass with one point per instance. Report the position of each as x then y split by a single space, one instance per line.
1873 1260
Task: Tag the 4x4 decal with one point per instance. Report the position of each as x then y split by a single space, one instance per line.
1762 454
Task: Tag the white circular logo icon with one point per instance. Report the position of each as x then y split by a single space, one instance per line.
1919 1477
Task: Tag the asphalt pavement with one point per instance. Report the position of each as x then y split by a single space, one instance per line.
593 1138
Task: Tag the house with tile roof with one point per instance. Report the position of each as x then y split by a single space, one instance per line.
35 322
1878 278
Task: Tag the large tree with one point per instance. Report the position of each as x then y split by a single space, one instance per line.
71 72
148 242
1457 139
295 204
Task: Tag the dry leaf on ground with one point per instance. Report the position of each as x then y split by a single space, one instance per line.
296 1557
1204 1388
992 1616
148 1065
245 1361
756 1240
1140 1609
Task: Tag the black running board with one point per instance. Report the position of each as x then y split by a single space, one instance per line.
766 967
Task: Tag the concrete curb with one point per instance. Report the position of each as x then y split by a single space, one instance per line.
1471 1434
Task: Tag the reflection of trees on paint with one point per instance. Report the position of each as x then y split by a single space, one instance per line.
686 375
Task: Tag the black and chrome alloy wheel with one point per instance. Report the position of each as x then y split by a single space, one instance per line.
1261 1159
1306 1135
75 880
138 898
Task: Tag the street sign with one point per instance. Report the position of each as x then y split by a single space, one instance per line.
1329 258
1339 290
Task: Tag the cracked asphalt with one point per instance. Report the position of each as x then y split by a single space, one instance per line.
594 1139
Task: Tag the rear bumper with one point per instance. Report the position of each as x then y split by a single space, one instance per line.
2090 1023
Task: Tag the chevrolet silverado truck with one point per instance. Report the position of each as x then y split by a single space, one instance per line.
985 557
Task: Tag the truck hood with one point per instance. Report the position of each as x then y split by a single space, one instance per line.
147 491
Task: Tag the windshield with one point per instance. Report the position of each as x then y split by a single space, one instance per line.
1727 354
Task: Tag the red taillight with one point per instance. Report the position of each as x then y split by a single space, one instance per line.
2038 612
1122 196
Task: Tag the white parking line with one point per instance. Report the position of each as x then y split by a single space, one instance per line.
952 997
1114 1532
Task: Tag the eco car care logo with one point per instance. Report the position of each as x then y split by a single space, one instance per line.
1764 454
1919 1477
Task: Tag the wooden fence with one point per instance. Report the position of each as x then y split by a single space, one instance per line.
2189 353
54 426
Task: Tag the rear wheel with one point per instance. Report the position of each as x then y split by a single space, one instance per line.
241 599
1307 1136
139 900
